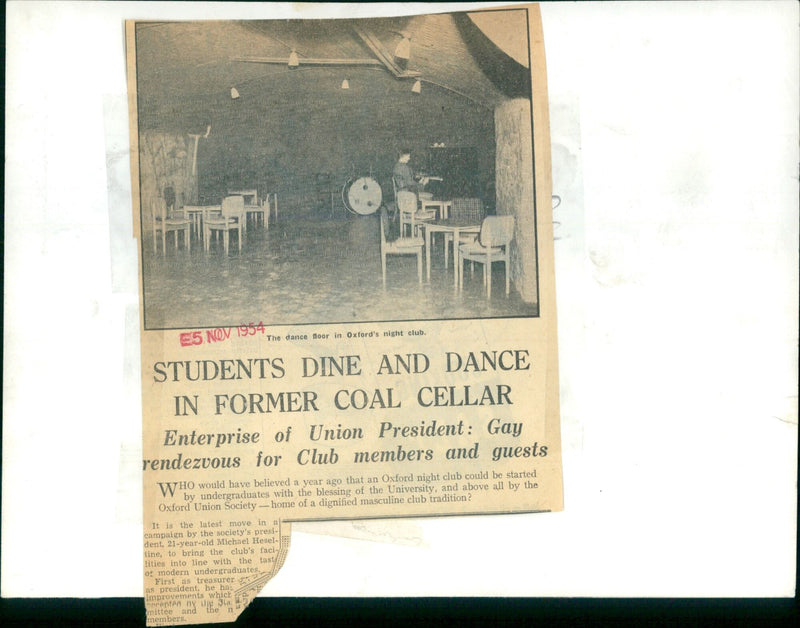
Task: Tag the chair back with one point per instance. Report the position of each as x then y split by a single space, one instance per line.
469 209
406 209
158 210
170 198
497 231
233 206
406 201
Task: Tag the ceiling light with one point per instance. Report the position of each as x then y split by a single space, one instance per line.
417 88
234 93
345 84
403 50
294 60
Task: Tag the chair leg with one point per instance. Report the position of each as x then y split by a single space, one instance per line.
226 240
488 276
419 266
383 268
163 241
508 281
240 240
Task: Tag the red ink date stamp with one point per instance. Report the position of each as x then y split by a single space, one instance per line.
220 334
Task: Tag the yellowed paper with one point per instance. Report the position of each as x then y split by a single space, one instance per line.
298 362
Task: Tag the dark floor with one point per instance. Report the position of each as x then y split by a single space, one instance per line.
309 271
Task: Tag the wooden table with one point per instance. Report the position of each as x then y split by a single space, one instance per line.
253 193
456 226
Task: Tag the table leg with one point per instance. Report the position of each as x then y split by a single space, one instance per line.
455 259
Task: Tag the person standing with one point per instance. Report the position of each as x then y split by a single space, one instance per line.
403 175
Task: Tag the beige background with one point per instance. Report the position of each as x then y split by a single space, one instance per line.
675 150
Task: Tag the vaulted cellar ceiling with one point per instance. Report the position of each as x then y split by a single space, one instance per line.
185 70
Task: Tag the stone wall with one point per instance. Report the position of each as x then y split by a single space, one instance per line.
514 185
165 161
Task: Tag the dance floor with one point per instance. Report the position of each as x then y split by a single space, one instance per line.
310 271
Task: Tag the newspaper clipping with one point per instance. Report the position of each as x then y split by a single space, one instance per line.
347 293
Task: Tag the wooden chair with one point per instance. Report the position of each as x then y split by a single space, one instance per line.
274 196
165 221
231 217
410 214
251 203
492 245
262 209
259 210
398 246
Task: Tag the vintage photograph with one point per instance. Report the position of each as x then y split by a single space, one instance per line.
333 171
